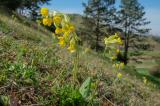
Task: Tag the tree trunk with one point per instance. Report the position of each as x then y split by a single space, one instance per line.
126 52
97 30
97 39
126 42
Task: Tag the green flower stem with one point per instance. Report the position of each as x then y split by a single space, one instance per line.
75 67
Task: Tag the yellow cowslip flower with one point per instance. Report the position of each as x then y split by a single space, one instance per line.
71 28
119 75
68 27
119 41
57 19
144 80
117 51
113 57
47 21
44 12
61 41
121 65
116 65
116 35
66 35
71 48
50 22
109 41
87 50
58 31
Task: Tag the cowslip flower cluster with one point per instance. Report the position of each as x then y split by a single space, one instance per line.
113 44
65 30
119 65
112 40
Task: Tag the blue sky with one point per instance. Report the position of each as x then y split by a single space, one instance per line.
152 8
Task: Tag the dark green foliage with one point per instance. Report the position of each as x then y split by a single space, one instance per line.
29 4
4 28
11 4
70 96
136 53
27 74
142 72
32 6
4 100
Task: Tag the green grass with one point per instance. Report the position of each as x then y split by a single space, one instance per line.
145 73
34 70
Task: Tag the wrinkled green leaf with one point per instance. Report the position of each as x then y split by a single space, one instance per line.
4 100
85 88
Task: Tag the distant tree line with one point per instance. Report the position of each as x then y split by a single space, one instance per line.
128 18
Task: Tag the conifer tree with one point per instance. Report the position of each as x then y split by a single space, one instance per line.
131 18
98 12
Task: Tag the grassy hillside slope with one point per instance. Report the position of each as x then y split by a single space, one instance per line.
144 51
34 71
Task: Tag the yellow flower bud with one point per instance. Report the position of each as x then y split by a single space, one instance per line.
58 31
61 41
45 21
113 57
116 35
144 80
119 41
71 28
117 66
119 75
122 65
117 51
71 47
